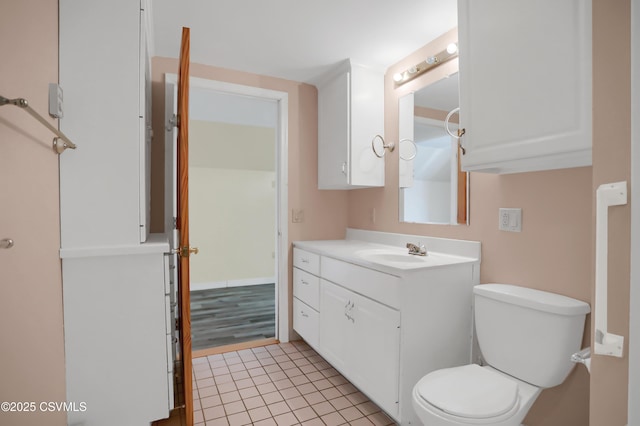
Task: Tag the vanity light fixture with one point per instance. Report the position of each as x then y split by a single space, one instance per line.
431 62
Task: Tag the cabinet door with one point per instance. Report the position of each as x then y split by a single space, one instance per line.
333 133
367 121
361 338
376 351
336 330
525 84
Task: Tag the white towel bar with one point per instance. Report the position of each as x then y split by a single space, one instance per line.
607 195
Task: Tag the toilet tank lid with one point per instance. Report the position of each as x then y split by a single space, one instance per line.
532 298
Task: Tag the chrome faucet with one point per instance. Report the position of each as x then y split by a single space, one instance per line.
420 250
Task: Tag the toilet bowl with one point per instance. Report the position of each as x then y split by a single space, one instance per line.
472 395
526 337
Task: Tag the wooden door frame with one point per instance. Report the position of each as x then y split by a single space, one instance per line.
282 186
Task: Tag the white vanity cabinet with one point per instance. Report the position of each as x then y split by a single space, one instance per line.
350 115
525 84
306 295
384 328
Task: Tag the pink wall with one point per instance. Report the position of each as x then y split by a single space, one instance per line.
611 163
32 354
553 252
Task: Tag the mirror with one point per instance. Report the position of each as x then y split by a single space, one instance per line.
432 190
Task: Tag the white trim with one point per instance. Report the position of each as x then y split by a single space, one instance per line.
634 283
282 166
232 283
156 243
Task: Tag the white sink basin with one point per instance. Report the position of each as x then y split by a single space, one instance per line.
395 258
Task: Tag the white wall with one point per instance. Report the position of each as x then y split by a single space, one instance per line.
232 222
232 201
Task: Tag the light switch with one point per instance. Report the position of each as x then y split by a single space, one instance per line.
297 215
510 220
55 100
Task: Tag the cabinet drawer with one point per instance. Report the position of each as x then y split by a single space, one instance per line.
378 286
306 287
306 322
307 261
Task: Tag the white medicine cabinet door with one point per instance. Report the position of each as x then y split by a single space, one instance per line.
350 115
525 84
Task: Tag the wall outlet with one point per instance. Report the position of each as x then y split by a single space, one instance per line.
510 220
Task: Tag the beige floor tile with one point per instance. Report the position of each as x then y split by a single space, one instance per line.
266 422
278 385
278 408
259 413
272 397
213 412
333 419
248 392
297 403
239 419
286 419
254 402
234 407
229 397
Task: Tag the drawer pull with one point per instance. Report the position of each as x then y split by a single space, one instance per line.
304 260
303 314
304 282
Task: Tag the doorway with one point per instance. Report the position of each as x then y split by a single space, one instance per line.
232 217
242 207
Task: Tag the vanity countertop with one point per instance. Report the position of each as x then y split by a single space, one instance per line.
386 258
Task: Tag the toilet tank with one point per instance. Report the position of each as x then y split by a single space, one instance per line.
529 334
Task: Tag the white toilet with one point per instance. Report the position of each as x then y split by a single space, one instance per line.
526 337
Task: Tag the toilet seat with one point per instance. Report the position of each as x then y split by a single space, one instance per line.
469 393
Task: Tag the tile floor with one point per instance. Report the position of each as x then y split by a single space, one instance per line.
282 385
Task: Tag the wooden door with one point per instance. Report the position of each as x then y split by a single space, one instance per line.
184 250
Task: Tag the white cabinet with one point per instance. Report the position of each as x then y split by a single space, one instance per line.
350 115
361 338
525 84
117 334
384 329
306 295
104 186
118 319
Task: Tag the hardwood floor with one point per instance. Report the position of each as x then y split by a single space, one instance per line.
232 315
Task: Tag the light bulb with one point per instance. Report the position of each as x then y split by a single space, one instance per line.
431 60
452 48
398 77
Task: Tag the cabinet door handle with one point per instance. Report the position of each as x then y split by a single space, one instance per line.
344 168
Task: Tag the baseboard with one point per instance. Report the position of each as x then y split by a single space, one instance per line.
232 283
